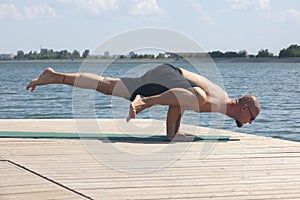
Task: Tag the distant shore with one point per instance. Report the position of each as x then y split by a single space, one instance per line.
261 60
227 60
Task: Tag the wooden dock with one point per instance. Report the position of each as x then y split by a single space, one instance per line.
245 167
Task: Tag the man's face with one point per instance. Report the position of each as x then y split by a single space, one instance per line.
246 116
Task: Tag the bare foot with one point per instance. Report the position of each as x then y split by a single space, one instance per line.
47 77
136 106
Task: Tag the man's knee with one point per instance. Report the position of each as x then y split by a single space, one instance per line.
201 95
106 85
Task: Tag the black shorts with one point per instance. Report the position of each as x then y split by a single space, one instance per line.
156 81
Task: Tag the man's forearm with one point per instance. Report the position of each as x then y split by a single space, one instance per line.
173 121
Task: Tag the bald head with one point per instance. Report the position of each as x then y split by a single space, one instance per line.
252 104
251 101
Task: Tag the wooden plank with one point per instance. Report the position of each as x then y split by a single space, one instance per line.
19 184
252 167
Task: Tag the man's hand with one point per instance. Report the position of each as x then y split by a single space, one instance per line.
183 137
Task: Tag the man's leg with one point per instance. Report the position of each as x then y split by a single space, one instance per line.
105 85
186 99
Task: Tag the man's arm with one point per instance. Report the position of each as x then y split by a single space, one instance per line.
173 121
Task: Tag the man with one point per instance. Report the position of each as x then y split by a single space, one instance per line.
164 85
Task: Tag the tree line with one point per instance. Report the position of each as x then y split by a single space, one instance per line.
49 54
291 51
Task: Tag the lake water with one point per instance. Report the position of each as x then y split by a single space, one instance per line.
277 86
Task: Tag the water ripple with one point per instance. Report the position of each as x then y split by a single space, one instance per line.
276 84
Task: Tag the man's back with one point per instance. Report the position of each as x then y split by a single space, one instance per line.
216 96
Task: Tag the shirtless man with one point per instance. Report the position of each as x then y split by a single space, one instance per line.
164 85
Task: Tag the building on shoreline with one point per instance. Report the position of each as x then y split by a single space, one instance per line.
5 56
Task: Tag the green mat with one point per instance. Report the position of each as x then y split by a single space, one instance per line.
103 136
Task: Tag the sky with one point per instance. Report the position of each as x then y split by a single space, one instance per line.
225 25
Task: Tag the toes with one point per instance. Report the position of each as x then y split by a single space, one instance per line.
132 113
28 86
128 118
33 88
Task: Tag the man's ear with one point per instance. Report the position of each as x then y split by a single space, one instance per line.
244 107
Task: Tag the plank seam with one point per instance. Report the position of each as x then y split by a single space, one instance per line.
48 179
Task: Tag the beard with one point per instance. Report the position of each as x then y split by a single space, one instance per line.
238 124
